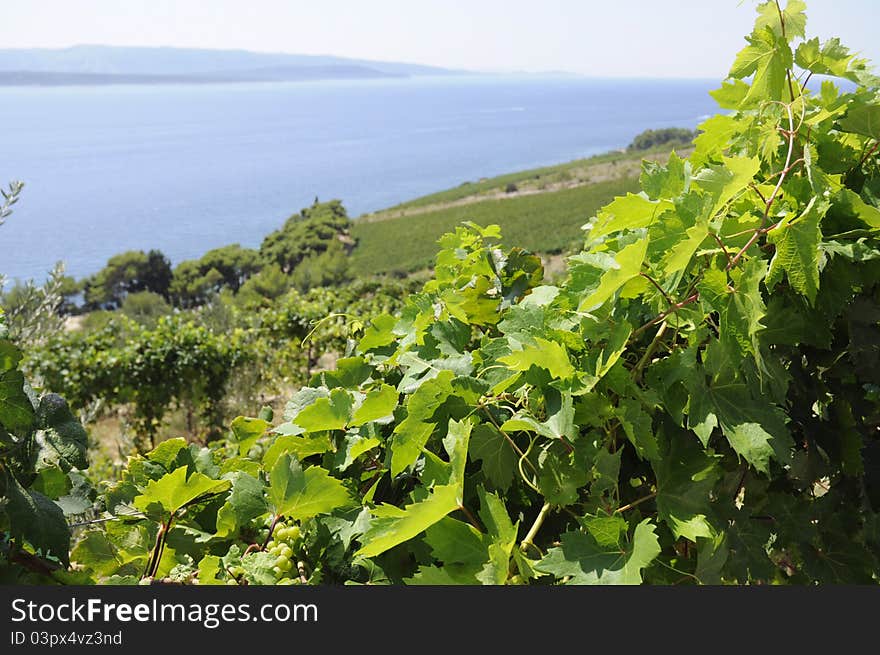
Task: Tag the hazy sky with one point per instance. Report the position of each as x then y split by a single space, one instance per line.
650 38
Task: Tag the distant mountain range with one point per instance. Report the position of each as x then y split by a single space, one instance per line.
97 64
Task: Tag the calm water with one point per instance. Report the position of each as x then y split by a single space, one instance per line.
186 169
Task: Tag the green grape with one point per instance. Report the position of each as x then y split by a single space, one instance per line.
284 546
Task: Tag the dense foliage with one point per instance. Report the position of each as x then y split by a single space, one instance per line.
128 272
146 363
42 449
674 136
195 280
307 234
697 402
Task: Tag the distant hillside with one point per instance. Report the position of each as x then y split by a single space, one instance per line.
88 64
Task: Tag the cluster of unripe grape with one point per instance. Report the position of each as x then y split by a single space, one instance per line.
284 546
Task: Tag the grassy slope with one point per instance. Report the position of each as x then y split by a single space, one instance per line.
543 222
544 214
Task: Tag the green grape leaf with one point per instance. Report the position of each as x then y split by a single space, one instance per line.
730 95
792 22
258 568
166 454
10 355
581 559
545 354
445 576
628 264
386 532
331 413
246 502
755 429
51 482
174 491
560 418
456 542
209 567
298 446
797 250
711 559
353 446
768 57
668 181
35 518
411 434
349 373
247 431
636 423
680 255
379 404
304 494
862 119
740 309
502 534
96 553
379 333
561 474
494 515
627 212
456 444
62 438
495 453
16 411
852 205
830 59
726 180
686 477
610 353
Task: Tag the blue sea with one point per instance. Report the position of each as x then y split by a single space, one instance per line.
188 168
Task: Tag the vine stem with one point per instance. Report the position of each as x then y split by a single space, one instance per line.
657 286
637 371
782 28
721 244
869 153
31 562
268 537
677 306
533 531
470 517
788 165
158 548
806 81
635 503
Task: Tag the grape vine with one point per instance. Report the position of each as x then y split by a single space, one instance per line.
697 402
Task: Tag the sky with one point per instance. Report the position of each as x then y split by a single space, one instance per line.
605 38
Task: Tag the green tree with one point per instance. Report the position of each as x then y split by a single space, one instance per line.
326 269
126 273
665 136
267 285
310 232
222 268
